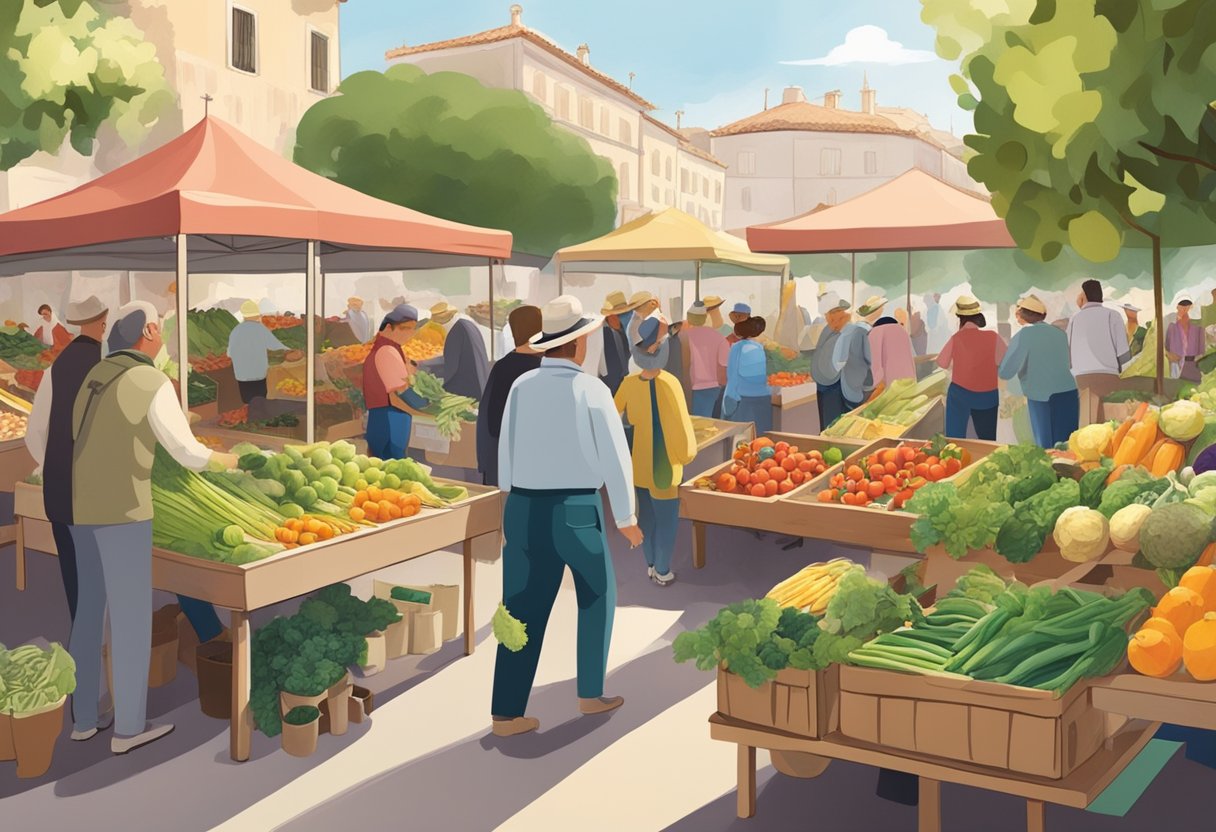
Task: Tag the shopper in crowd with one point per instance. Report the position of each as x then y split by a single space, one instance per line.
554 516
1184 343
50 332
707 355
616 312
972 355
825 374
852 356
1038 358
125 408
644 306
891 350
249 346
748 397
678 357
936 326
1098 349
464 366
919 333
360 322
739 313
1136 331
652 402
525 323
386 381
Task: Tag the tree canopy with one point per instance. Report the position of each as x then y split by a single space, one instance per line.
448 146
68 67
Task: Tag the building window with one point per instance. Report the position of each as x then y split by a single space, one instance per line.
626 132
718 193
670 198
540 88
690 209
830 199
705 186
625 180
669 174
605 122
871 162
586 113
745 199
654 194
829 161
655 163
244 40
747 163
684 182
563 103
319 63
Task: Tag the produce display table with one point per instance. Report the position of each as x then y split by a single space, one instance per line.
15 465
1078 790
1179 700
729 434
794 408
290 574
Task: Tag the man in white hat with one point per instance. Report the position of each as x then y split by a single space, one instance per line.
618 313
554 516
249 346
852 356
360 322
464 366
1038 356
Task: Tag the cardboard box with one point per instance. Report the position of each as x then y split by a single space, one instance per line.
445 605
1000 726
801 702
943 571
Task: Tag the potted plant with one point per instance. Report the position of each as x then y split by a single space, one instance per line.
335 608
34 684
300 729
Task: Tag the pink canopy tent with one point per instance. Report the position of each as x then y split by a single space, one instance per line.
215 201
913 212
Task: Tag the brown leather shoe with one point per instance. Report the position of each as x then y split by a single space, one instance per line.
512 727
600 704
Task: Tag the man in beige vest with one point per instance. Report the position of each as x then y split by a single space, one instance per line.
124 409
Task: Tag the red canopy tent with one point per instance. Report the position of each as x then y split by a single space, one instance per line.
213 200
913 212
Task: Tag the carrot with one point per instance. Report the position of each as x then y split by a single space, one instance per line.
1209 554
1117 472
1120 435
1168 458
1146 461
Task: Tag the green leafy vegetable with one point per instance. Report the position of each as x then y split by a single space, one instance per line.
32 678
510 632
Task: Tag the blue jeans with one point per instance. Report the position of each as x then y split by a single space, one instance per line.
659 521
545 532
830 400
705 401
388 432
963 405
1054 420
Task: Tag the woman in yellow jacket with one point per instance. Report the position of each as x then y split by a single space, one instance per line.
652 401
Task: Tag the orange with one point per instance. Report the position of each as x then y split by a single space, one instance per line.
385 510
394 511
326 532
1161 624
761 442
357 514
371 511
1202 580
374 494
1182 607
1155 653
307 537
1199 649
770 488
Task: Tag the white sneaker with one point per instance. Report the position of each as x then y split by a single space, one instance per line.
650 572
103 722
664 580
124 745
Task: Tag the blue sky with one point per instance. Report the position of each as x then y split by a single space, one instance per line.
712 59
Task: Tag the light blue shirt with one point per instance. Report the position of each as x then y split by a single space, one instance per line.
247 347
561 430
746 371
853 360
1038 356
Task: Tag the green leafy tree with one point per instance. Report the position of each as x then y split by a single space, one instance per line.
1094 125
445 145
68 68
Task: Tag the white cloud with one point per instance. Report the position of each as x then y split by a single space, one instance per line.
868 45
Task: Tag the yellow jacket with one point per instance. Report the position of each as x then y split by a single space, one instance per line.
633 401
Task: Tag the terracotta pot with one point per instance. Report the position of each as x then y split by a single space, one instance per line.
34 737
338 699
377 654
301 740
7 752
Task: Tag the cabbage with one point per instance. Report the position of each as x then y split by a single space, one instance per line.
1089 442
32 678
1205 480
1182 420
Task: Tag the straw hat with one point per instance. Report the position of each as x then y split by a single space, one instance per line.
873 304
966 306
250 309
1031 303
562 321
1130 307
85 311
641 299
615 304
712 302
355 303
442 312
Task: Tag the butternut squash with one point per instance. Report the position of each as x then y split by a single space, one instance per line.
1169 457
1121 433
1140 437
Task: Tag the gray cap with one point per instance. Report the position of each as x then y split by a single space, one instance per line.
698 308
400 314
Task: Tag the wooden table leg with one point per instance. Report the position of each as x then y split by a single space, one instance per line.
929 810
241 726
470 626
20 555
747 781
698 544
1036 816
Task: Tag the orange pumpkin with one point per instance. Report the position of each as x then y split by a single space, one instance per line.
1163 625
1180 606
1202 580
1155 653
1199 649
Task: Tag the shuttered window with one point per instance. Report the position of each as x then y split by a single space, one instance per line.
244 41
319 61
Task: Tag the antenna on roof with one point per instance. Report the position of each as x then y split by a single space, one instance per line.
679 116
766 98
207 99
632 75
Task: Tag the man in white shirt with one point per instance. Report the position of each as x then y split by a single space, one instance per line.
554 516
1097 340
249 346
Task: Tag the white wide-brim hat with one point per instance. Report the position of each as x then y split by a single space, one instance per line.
85 311
562 320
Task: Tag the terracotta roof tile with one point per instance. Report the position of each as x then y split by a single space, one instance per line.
811 117
503 33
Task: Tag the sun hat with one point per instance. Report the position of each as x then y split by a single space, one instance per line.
1184 302
641 299
840 305
399 314
1130 307
873 304
966 306
355 302
85 311
712 302
615 303
443 310
250 309
562 321
741 309
1031 303
648 333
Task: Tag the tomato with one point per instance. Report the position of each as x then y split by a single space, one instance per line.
785 487
814 454
778 474
780 457
760 477
876 489
797 477
890 468
762 442
906 454
770 488
793 451
932 461
905 495
758 491
799 458
953 465
846 498
851 486
890 483
819 468
726 483
876 471
781 447
789 464
922 469
920 457
854 473
806 466
936 472
827 496
768 464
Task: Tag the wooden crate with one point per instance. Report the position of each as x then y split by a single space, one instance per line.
802 702
1003 727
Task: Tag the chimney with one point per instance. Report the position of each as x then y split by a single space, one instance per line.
869 102
793 95
831 100
584 54
766 98
517 15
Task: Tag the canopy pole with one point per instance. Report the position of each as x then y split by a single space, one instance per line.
490 272
310 344
697 284
183 357
559 277
853 279
908 308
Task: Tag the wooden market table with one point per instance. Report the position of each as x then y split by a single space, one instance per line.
15 465
1078 790
729 434
247 587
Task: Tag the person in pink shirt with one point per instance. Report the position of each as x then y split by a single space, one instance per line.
972 355
707 354
891 351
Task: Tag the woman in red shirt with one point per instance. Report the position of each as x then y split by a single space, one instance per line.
973 355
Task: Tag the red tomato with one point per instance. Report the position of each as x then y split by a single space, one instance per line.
827 496
782 447
905 495
805 466
793 451
799 458
789 464
890 483
854 473
758 491
953 465
760 477
770 488
847 498
906 454
851 486
876 489
819 468
785 487
744 476
890 468
876 471
796 477
932 461
936 472
726 482
814 454
922 469
778 474
768 464
780 457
